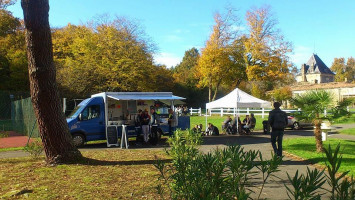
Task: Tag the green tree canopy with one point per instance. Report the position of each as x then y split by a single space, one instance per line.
184 72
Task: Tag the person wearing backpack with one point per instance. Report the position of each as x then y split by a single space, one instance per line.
278 121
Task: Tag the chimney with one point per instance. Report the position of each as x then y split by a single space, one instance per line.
303 71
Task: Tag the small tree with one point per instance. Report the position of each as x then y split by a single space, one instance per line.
282 94
313 104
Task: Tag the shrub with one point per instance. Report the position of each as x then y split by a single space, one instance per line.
4 134
310 186
34 148
221 174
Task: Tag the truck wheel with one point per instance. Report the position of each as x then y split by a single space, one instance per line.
78 139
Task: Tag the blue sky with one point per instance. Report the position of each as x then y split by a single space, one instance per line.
326 27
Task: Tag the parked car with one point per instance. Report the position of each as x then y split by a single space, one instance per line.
296 124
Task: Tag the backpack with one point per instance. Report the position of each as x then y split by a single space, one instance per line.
279 120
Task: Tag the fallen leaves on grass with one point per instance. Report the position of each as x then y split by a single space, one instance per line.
106 174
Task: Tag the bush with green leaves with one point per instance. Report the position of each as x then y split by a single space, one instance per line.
4 134
310 186
221 174
34 148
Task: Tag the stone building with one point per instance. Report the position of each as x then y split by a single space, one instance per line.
315 71
339 90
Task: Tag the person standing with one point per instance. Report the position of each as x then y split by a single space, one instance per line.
171 121
278 122
154 123
145 125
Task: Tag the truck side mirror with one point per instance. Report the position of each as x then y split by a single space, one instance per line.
80 117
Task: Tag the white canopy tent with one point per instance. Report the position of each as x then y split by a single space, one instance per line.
238 99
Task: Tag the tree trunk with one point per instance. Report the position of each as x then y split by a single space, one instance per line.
318 135
51 121
209 92
216 90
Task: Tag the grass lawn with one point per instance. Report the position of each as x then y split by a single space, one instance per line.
349 131
217 121
306 148
345 120
11 149
109 174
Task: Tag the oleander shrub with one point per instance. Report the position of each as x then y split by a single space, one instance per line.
220 174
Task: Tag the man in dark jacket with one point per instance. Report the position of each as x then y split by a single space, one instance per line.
278 122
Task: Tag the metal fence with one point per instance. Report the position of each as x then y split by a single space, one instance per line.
233 111
195 111
23 118
6 97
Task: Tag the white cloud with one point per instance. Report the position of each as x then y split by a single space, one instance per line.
300 55
238 28
167 59
173 38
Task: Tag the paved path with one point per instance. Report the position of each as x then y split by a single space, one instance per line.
274 188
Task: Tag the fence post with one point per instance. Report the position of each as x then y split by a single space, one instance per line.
200 112
221 112
248 111
262 113
325 112
64 104
191 111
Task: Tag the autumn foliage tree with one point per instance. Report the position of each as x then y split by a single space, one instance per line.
106 55
344 71
265 49
13 59
218 63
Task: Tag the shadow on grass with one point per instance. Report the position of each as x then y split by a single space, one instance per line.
94 162
132 145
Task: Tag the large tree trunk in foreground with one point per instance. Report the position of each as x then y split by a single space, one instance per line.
52 126
318 135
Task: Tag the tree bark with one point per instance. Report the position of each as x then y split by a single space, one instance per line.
51 121
210 92
216 90
318 135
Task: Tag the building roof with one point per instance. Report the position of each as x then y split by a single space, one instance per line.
316 66
320 86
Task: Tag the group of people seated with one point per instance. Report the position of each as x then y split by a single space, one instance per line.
246 126
229 126
210 130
